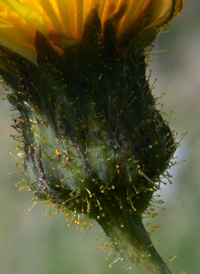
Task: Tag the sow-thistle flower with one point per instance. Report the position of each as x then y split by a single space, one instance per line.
93 141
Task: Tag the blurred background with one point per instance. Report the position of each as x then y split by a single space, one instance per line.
30 243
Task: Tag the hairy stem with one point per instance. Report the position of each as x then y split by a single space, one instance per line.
127 231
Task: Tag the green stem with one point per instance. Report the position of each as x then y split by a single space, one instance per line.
128 233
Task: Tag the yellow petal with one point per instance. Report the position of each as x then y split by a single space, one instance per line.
18 41
66 18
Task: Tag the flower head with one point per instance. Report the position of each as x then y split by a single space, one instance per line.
63 20
94 142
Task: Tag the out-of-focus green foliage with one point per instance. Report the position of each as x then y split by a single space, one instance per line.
33 244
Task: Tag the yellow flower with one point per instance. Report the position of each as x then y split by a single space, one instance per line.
61 20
